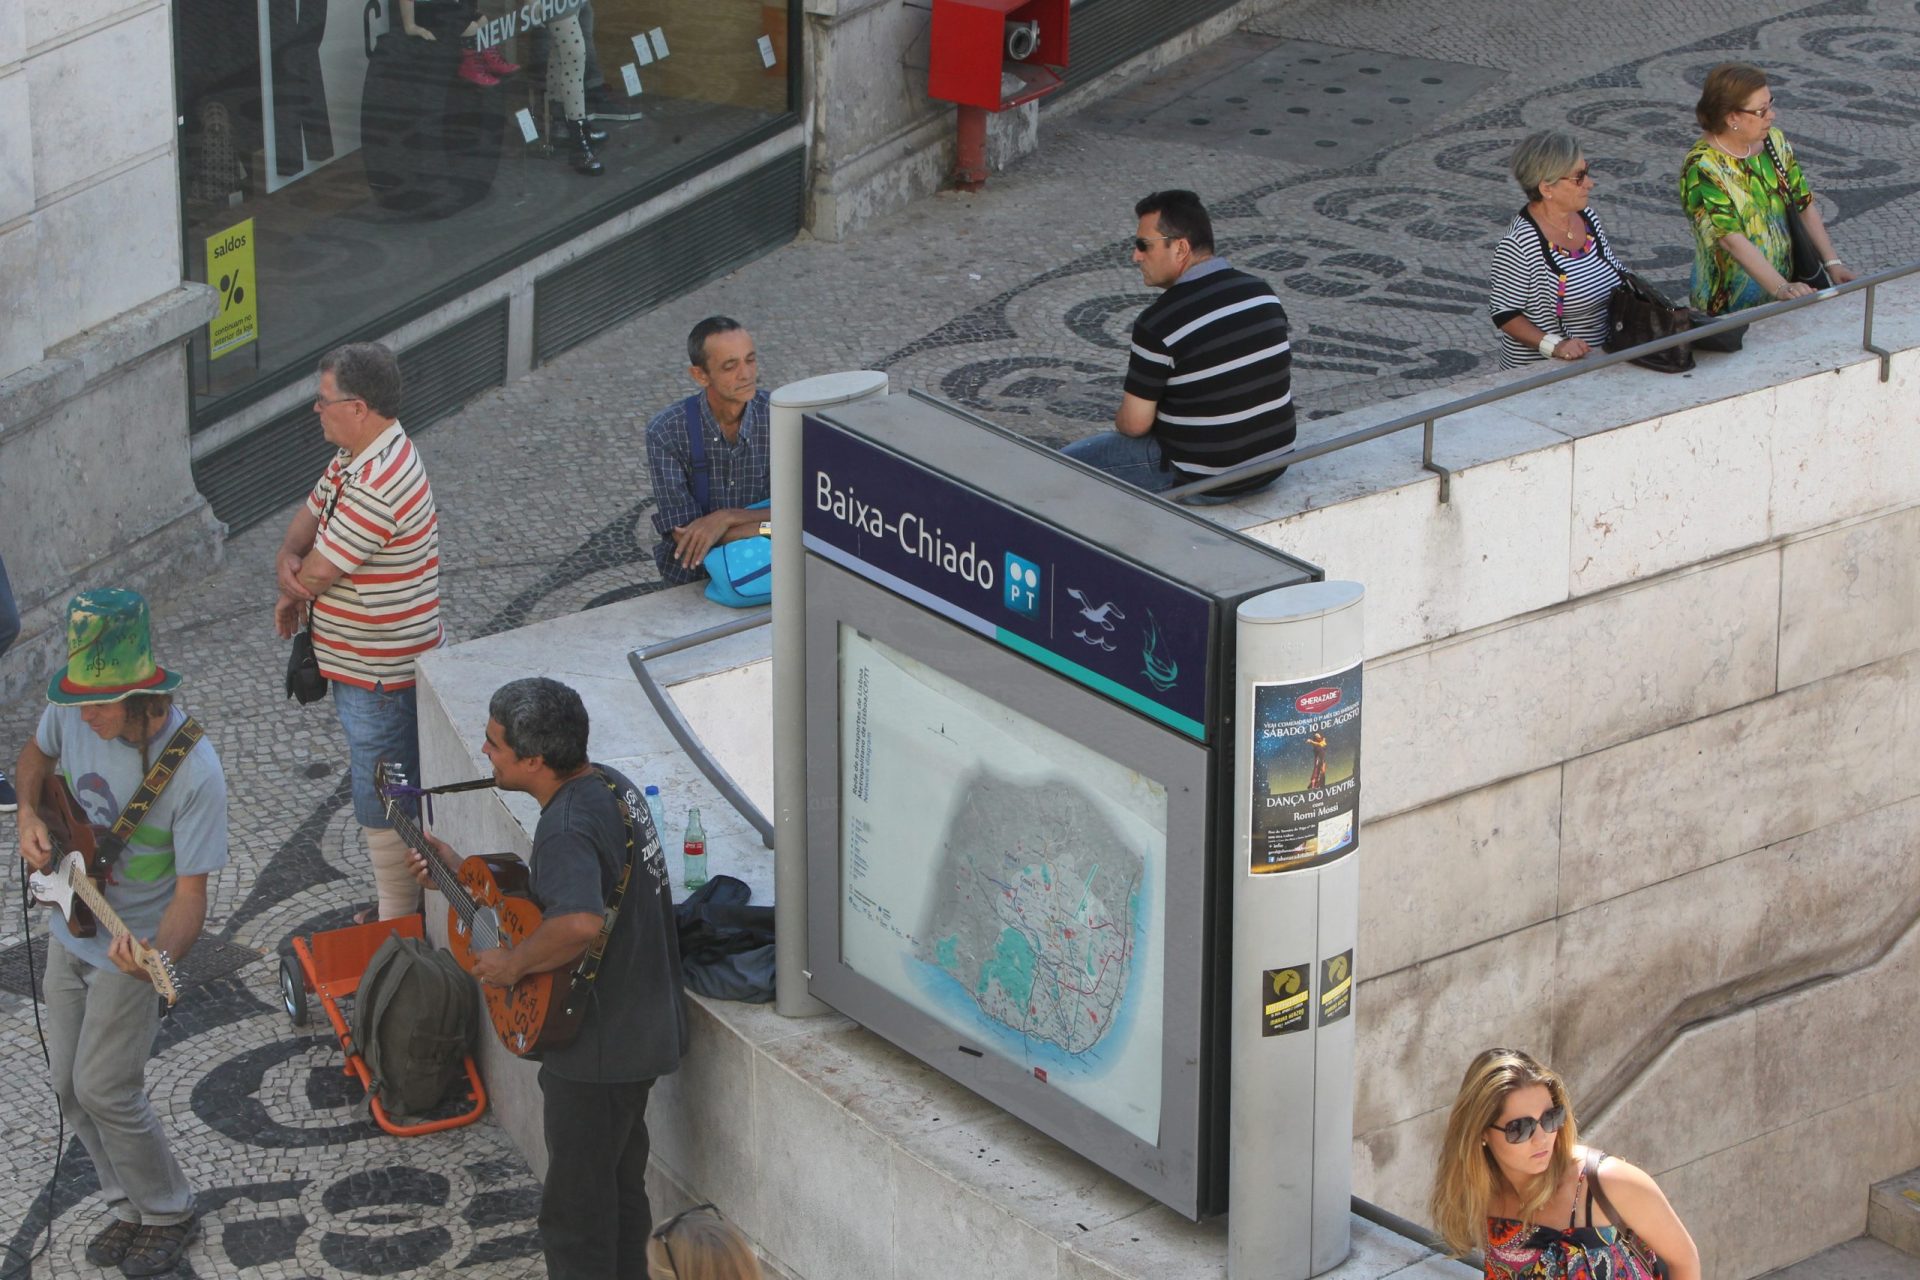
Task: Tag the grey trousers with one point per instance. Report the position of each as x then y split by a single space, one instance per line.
100 1029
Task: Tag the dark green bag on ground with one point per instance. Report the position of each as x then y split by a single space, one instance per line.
414 1021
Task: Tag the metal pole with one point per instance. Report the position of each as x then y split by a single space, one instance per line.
791 404
1290 1171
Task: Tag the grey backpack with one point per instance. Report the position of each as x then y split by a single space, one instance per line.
414 1021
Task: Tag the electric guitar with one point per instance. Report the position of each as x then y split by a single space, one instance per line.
66 885
68 828
489 905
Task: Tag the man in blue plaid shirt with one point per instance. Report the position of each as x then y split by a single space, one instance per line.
730 413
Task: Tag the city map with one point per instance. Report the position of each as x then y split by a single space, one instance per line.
1033 910
1003 879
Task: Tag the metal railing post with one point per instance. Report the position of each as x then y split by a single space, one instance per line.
1866 340
1426 460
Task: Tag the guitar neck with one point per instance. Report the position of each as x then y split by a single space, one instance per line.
445 878
159 968
89 892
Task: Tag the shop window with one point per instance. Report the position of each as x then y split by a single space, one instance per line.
345 162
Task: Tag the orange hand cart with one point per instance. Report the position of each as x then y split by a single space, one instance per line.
329 965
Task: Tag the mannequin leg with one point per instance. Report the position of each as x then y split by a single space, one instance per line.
566 71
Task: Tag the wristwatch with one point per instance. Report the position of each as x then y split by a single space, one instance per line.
766 528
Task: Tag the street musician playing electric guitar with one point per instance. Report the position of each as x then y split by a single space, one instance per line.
600 881
137 765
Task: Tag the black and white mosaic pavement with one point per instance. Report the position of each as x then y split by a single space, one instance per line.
1015 301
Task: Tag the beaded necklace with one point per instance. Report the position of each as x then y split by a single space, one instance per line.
1560 292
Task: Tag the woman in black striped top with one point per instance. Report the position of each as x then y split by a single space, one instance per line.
1554 270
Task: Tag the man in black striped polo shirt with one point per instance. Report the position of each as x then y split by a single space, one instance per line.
1210 379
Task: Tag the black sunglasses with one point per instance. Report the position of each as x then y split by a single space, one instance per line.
1520 1128
663 1233
1140 242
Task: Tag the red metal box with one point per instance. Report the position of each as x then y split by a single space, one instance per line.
968 56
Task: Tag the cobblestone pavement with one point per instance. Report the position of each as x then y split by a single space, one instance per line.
1373 216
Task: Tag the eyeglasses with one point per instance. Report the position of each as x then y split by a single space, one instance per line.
323 401
1583 174
664 1231
1140 242
1765 109
1520 1128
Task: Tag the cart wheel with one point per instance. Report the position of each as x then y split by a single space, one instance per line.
293 991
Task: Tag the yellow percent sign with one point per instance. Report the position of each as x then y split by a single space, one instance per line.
230 272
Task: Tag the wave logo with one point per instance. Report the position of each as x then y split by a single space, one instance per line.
1161 671
1022 578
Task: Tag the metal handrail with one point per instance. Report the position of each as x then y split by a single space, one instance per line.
677 725
1425 418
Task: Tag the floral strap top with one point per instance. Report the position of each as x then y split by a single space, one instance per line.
1518 1250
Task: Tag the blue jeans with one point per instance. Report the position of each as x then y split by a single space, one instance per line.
381 724
1136 460
9 612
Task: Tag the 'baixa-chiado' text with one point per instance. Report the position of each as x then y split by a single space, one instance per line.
913 534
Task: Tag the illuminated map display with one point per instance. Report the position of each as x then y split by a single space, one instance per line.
1003 879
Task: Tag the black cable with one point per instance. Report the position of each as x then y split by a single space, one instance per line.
23 1268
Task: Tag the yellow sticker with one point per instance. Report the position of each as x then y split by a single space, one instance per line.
230 272
1284 996
1336 987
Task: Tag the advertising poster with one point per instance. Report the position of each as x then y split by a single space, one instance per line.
1306 772
230 272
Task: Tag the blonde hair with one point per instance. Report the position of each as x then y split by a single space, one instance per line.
1467 1176
700 1245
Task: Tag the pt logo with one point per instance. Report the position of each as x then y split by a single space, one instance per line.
1023 586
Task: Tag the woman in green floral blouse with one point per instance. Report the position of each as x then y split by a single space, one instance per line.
1737 198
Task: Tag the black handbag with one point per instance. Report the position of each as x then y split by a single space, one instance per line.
1724 341
1636 311
1806 267
305 684
1639 313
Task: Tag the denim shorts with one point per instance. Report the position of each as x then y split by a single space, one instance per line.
380 724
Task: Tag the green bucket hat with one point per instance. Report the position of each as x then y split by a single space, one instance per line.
109 650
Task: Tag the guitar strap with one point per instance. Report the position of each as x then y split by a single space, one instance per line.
172 756
589 967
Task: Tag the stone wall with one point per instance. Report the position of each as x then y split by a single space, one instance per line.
1643 770
94 478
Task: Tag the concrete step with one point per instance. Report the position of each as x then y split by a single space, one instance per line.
1861 1258
1893 1212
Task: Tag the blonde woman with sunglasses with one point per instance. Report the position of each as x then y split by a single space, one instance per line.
699 1244
1514 1182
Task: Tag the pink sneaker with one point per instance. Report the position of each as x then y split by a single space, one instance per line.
495 64
474 70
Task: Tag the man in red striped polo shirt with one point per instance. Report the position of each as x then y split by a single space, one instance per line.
363 555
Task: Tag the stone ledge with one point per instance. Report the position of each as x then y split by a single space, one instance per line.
1893 1212
70 367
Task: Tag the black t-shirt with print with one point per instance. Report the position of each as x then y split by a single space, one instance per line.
636 1022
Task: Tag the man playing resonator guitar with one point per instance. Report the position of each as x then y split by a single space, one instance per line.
596 862
132 760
